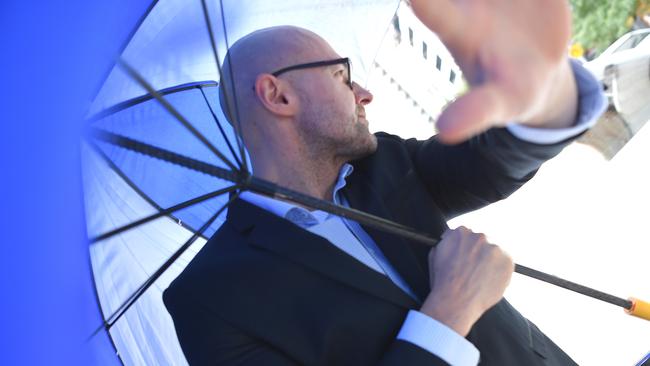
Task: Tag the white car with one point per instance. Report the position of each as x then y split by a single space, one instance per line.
623 71
627 46
630 46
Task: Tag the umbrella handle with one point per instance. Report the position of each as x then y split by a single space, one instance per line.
639 308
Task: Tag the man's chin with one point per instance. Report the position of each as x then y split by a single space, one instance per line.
367 148
373 144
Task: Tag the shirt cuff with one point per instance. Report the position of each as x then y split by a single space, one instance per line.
438 339
592 103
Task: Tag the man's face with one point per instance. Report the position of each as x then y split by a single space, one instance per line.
332 119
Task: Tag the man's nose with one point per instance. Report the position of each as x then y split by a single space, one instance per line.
361 96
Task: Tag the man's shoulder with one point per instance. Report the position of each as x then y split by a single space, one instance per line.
392 158
387 140
398 147
219 257
227 257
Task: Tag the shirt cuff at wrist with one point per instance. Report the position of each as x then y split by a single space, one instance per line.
591 105
438 339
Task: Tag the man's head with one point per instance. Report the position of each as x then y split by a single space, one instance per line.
312 111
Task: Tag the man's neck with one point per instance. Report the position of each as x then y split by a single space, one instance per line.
313 178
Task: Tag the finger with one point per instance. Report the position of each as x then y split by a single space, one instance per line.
441 16
478 110
446 233
458 232
481 238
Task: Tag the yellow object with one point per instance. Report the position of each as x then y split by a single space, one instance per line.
576 50
643 7
639 308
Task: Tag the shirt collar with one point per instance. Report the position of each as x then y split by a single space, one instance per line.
280 208
345 171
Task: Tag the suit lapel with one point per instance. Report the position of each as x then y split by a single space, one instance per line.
362 195
267 231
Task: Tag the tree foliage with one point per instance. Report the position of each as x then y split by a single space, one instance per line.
598 23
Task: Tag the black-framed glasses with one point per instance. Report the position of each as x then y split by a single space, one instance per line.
343 61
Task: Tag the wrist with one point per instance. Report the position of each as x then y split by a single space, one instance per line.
560 108
455 316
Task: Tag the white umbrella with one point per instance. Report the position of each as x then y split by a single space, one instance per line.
171 49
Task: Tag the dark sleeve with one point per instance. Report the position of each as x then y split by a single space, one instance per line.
480 171
206 339
405 353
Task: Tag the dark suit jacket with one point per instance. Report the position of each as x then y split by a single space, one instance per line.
263 291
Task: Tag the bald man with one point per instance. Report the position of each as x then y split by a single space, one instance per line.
279 284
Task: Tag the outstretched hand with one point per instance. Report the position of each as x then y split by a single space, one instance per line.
513 54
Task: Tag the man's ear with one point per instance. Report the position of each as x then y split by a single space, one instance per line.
276 95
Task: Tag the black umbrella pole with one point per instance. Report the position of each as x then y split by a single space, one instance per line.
560 282
275 191
246 181
633 306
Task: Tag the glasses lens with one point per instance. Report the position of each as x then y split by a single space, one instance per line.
349 65
345 61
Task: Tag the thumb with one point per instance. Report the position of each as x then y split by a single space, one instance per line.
472 113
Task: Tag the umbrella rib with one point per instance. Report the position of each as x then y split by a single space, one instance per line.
138 293
215 52
135 75
223 133
164 212
131 184
147 97
166 155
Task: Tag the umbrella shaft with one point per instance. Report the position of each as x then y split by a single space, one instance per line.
584 290
248 182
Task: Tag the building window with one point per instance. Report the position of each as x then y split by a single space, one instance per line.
424 50
438 63
411 36
396 28
452 77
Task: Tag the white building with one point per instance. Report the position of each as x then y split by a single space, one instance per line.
413 78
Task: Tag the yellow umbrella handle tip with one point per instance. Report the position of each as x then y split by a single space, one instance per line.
639 309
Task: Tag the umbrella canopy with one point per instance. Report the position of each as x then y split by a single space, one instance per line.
171 48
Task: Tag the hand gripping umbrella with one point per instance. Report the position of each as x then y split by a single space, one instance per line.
160 167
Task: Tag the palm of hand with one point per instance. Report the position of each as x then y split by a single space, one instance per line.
509 51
